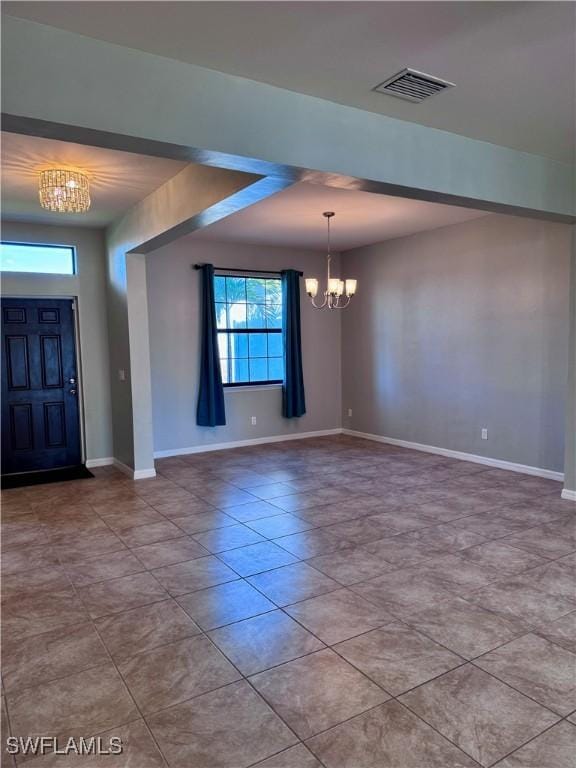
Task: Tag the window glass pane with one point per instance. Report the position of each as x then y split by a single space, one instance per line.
219 289
238 371
275 346
256 315
275 368
224 371
274 316
221 321
274 291
237 315
238 345
44 259
222 345
258 369
257 344
256 290
236 289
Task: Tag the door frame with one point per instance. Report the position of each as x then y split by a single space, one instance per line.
77 349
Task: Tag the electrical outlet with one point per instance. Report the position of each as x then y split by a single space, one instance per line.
484 434
253 421
122 374
349 411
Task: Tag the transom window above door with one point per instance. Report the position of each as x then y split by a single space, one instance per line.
249 323
38 259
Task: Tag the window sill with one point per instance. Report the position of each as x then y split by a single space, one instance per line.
253 388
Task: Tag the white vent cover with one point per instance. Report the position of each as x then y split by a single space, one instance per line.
413 85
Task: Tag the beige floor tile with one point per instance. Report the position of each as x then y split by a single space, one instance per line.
351 566
230 537
82 704
466 628
318 541
149 534
271 491
169 552
203 521
261 642
257 558
175 672
316 692
294 757
118 595
141 629
75 549
397 657
35 582
337 616
538 668
388 736
196 574
31 615
503 558
28 558
229 727
292 583
225 604
280 525
102 568
58 653
254 510
562 631
484 717
514 598
542 541
555 748
402 592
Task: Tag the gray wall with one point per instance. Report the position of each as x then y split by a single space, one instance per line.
570 457
462 328
173 298
89 286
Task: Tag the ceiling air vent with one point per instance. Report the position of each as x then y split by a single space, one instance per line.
412 85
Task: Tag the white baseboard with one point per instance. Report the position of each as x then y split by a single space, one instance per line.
569 495
497 463
106 462
244 443
134 474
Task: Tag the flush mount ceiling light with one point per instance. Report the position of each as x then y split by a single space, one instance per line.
64 191
338 292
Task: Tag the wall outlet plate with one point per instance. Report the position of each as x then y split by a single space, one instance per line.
484 434
349 411
253 421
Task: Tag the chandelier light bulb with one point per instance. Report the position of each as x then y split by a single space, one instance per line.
338 293
64 191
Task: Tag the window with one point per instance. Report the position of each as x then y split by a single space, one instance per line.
249 322
41 259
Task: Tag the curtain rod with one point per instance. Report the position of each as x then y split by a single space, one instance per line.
242 269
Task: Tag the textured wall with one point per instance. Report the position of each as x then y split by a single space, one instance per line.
462 328
89 285
173 298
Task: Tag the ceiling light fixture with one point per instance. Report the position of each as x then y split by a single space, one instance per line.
64 191
338 292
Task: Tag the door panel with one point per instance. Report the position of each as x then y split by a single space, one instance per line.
40 413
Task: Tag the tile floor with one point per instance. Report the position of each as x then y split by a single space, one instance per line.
329 602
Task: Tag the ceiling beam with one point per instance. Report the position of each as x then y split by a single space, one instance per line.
85 87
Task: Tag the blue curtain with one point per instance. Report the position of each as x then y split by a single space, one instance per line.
210 411
293 399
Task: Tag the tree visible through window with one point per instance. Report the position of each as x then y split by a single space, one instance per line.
249 322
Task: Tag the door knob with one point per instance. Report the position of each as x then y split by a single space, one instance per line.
72 391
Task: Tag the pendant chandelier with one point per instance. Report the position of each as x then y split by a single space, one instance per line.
338 292
64 191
